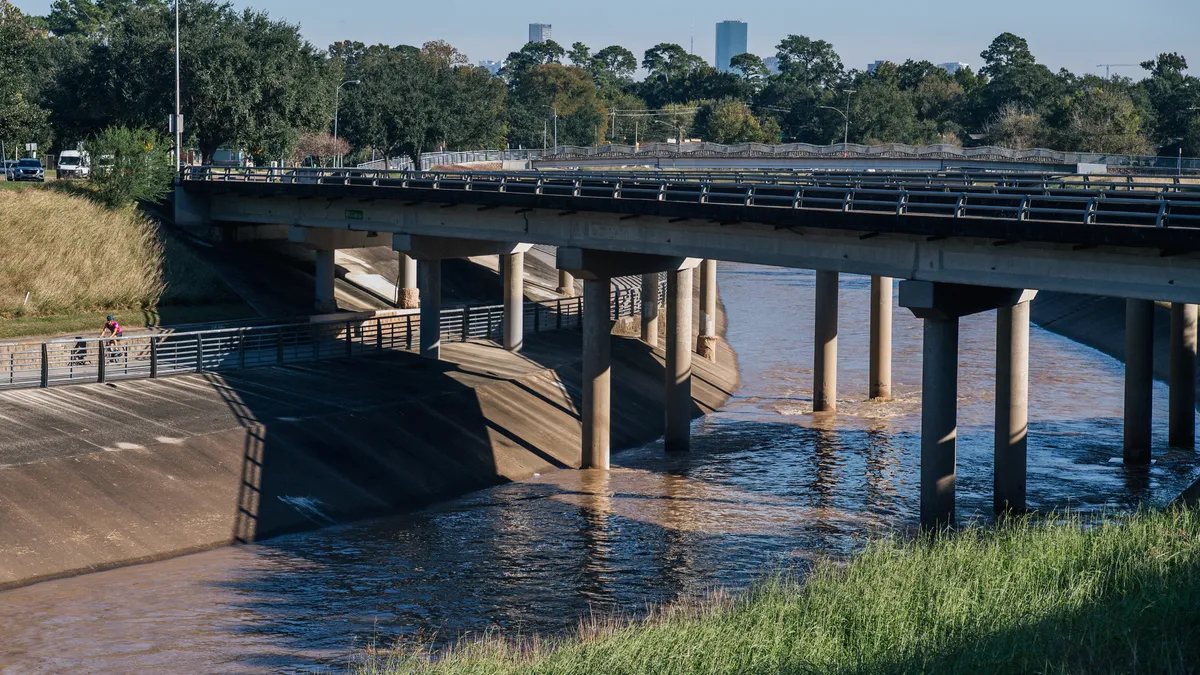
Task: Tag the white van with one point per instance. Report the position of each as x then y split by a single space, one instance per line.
73 164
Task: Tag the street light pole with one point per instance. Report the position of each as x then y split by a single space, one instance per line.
178 103
336 104
846 136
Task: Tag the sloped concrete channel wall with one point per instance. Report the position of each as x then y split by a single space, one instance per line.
104 475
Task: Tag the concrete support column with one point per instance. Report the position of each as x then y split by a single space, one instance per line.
1183 376
430 273
566 284
1012 407
513 271
1139 380
650 304
825 345
939 422
706 342
597 374
679 361
326 302
407 295
881 339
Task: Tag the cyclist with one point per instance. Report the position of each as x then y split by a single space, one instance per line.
112 329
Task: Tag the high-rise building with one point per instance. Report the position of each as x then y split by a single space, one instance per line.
731 41
492 67
539 32
953 66
772 64
872 67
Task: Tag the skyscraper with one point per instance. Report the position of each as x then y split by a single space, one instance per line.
731 42
539 32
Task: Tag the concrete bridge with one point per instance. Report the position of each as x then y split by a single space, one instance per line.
959 250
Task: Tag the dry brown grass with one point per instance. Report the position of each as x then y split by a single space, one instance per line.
72 255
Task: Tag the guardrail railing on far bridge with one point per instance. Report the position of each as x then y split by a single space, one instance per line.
72 361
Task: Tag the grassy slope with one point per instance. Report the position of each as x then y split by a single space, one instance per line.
1072 598
79 261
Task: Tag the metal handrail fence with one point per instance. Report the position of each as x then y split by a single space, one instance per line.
802 150
72 361
1079 206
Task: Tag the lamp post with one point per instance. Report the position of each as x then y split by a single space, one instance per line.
336 103
846 136
178 104
554 109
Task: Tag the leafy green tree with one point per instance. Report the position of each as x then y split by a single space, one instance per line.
751 69
1171 94
1096 119
729 122
1015 127
616 61
1006 54
881 113
247 80
812 62
531 55
131 165
551 89
22 119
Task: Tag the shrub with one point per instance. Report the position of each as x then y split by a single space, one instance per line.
131 165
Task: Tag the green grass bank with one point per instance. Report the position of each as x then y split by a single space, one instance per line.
68 261
1030 596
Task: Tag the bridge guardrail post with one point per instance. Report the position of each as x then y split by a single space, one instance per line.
537 318
466 324
349 339
558 313
45 365
242 348
315 337
153 357
408 338
199 353
102 362
378 334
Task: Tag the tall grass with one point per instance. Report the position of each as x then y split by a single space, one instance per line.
71 255
1074 596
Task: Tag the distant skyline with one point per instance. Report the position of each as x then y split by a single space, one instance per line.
1073 34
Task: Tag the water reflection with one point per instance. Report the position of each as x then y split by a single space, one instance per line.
767 484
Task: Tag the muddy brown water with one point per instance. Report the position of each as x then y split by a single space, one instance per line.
768 485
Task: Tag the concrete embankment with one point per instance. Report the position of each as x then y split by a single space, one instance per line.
1099 322
100 476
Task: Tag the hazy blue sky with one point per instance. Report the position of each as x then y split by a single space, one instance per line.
1077 34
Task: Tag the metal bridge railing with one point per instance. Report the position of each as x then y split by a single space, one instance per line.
30 365
1038 201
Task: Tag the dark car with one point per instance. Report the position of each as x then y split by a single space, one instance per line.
30 169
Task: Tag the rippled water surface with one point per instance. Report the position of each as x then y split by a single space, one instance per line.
768 484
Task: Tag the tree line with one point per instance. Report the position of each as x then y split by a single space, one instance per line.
254 83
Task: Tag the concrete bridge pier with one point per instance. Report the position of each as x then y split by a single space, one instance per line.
1012 408
650 304
429 251
1139 381
597 269
1183 376
407 293
941 306
880 372
825 347
706 342
597 373
324 243
512 268
430 283
679 361
326 301
566 283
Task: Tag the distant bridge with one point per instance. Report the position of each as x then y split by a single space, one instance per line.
963 244
848 156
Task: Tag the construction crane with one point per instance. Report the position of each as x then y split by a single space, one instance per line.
1109 66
